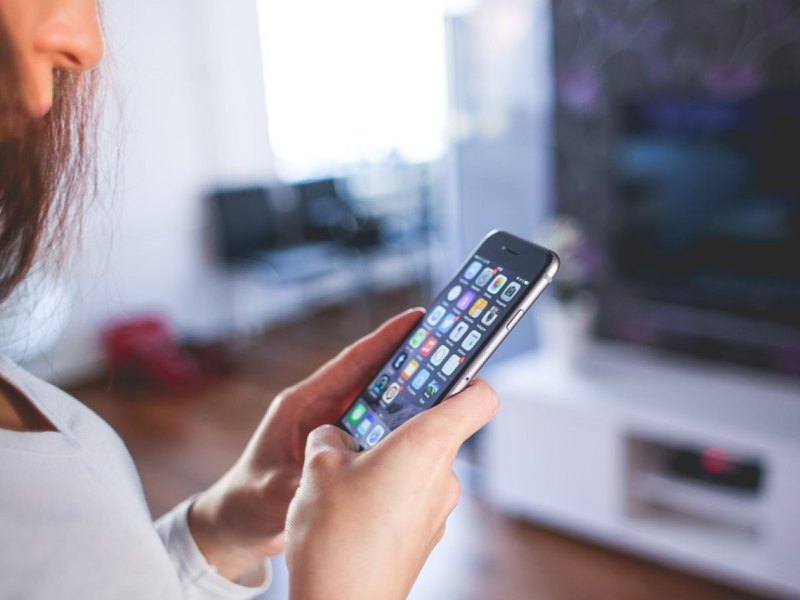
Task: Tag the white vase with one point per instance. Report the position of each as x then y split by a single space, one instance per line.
565 329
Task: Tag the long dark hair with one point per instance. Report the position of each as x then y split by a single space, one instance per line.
46 171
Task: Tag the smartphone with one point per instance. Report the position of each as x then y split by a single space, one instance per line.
465 324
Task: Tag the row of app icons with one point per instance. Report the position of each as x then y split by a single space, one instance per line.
481 280
419 378
445 322
426 343
468 301
422 382
365 425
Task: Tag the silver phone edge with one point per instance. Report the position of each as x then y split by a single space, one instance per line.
494 343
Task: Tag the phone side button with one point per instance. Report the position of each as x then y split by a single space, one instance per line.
514 320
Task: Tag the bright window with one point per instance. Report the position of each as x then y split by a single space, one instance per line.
353 81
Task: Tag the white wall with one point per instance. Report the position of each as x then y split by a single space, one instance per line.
500 163
188 74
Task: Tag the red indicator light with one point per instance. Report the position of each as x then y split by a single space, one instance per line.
715 461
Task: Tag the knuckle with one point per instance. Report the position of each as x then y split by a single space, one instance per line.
346 353
325 430
494 401
323 458
320 454
489 396
453 492
440 534
286 395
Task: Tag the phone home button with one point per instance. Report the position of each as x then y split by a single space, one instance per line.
514 320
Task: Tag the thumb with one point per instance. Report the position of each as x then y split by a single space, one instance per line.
457 418
329 440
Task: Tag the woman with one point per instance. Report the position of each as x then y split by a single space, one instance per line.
74 523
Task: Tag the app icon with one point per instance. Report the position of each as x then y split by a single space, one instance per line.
453 293
365 425
428 346
466 300
510 291
399 360
451 364
471 340
472 269
436 316
358 411
418 337
410 369
484 277
478 307
447 323
490 316
380 384
432 388
420 379
439 355
391 393
375 435
497 284
458 331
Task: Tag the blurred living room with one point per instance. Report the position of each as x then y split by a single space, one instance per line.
279 177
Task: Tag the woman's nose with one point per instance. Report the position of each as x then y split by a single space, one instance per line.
72 37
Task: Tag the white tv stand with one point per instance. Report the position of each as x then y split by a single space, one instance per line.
582 449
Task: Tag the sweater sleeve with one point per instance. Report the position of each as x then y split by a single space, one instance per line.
199 579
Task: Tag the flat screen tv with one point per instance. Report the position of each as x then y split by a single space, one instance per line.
678 140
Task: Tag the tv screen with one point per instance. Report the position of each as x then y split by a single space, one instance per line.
677 129
709 202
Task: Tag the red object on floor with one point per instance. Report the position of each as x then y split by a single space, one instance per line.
146 348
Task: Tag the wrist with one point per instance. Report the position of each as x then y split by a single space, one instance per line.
227 555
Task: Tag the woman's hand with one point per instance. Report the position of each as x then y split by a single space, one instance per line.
362 524
241 518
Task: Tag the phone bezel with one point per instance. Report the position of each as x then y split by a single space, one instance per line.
515 254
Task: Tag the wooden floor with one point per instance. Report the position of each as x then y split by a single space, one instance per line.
181 442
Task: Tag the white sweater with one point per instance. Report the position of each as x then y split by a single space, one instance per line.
73 518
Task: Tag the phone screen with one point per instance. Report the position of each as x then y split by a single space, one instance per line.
461 320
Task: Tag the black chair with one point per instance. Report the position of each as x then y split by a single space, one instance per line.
263 230
329 215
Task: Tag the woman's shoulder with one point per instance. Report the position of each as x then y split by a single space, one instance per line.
79 427
61 409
